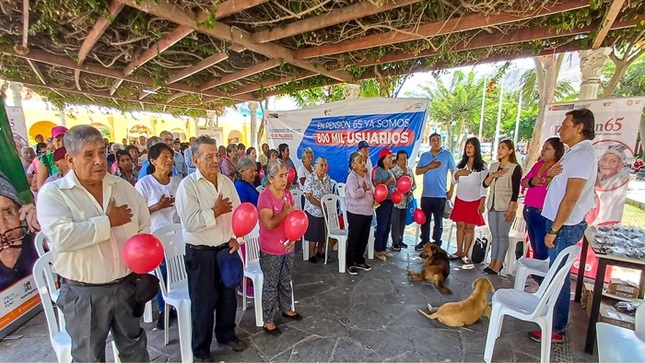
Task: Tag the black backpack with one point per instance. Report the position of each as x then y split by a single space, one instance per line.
479 250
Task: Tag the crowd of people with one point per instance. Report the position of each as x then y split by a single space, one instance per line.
92 196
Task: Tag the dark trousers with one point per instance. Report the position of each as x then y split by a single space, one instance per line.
91 312
383 224
432 207
398 226
536 228
209 299
357 236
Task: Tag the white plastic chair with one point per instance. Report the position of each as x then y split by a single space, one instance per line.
58 337
618 344
526 267
340 191
330 213
516 234
40 241
253 271
297 196
175 289
536 307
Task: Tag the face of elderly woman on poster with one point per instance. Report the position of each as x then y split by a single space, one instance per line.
610 165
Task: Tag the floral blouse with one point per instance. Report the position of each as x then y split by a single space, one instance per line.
398 173
318 188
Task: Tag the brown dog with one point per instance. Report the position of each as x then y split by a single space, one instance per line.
435 269
465 312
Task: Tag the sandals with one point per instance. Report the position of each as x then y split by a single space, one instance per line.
453 257
275 331
295 316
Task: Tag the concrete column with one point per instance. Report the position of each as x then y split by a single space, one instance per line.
352 91
253 107
591 62
14 94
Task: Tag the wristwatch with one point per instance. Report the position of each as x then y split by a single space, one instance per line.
553 232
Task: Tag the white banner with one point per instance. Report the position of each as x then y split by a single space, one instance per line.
334 130
617 123
17 122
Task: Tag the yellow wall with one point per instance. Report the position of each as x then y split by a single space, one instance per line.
39 118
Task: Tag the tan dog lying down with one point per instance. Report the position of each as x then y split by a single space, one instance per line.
465 312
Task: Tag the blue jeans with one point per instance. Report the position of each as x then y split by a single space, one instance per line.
383 224
160 302
567 236
536 227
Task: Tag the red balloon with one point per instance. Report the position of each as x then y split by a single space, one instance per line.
404 184
397 197
419 216
143 253
245 217
380 193
295 225
261 174
291 175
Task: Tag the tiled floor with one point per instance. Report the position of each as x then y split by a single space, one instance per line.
369 317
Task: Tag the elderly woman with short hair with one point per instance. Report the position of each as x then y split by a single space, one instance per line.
317 185
359 195
246 172
276 256
228 166
305 168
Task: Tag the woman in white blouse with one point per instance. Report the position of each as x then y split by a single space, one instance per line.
158 188
305 168
470 202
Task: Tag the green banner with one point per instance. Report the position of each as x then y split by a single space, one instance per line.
10 163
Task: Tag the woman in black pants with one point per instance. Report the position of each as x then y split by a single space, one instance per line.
359 198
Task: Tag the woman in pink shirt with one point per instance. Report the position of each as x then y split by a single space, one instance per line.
276 251
536 181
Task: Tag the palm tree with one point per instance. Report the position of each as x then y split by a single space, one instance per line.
454 104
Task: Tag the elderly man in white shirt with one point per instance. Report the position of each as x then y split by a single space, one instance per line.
205 201
88 216
569 197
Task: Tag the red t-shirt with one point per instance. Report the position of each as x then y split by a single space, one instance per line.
272 241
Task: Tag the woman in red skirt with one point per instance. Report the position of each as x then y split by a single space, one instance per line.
470 201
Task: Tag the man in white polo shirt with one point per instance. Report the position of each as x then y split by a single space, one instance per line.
569 197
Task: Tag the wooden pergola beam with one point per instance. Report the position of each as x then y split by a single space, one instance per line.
258 68
164 43
59 61
37 71
187 72
94 35
267 84
334 17
98 29
607 22
224 9
103 95
496 58
465 23
170 12
487 40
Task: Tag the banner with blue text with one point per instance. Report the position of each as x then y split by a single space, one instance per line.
334 130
